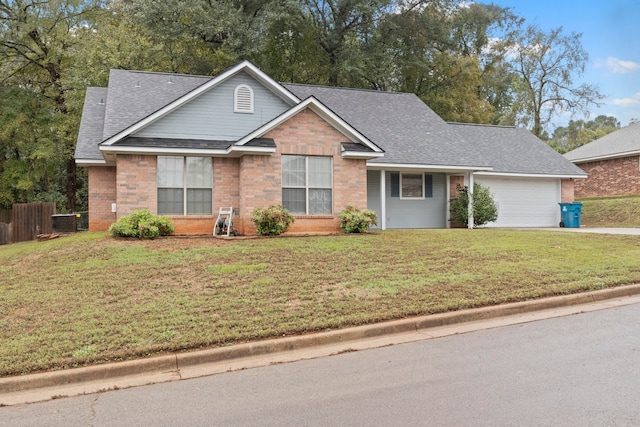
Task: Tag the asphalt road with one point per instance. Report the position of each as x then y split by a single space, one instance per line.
580 370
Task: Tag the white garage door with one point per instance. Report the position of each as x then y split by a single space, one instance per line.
524 202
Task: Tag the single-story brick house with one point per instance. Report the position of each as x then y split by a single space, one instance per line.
183 146
612 163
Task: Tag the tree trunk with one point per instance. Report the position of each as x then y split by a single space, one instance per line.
71 185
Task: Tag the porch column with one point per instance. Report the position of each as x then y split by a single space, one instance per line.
447 182
470 191
383 201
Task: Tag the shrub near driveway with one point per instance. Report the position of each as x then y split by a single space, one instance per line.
91 298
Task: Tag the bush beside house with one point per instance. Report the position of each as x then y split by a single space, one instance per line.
485 209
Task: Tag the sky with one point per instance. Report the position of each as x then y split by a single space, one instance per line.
611 36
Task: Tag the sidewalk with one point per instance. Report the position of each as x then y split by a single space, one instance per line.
180 366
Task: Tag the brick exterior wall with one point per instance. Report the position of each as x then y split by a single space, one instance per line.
226 183
136 183
102 193
614 177
454 180
243 183
305 134
568 190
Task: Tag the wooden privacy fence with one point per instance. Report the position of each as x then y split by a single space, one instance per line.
27 221
5 233
6 216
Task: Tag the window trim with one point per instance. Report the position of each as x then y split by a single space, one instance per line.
422 192
306 186
185 189
237 106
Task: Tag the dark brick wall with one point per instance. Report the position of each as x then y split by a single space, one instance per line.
614 177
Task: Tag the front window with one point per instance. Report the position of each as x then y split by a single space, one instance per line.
411 185
307 185
184 185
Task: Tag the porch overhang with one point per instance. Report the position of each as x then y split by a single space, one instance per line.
427 167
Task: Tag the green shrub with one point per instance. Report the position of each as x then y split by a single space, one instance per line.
272 221
485 209
353 220
142 223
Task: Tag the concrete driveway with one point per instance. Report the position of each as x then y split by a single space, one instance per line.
628 231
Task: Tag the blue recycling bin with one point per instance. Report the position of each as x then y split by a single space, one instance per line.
570 214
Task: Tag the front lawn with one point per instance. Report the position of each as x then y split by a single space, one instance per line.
91 298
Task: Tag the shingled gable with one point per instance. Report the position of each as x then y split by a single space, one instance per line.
368 147
244 66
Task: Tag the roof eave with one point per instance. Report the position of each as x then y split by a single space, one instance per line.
231 151
605 157
360 155
90 162
533 175
443 168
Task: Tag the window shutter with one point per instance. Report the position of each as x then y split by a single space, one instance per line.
428 185
395 184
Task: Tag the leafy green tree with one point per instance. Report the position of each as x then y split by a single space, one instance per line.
29 161
485 209
545 65
443 52
339 27
579 132
291 52
37 42
202 36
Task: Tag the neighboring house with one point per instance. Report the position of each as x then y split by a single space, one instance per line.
612 162
184 146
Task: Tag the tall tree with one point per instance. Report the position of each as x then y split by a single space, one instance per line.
37 39
442 52
231 30
340 26
31 166
546 66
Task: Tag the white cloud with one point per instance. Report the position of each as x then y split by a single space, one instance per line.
618 66
628 102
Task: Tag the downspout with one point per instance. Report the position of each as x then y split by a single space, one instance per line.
470 207
383 200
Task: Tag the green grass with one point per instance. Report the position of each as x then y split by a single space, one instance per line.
611 212
91 298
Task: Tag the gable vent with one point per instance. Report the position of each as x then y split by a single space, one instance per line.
243 99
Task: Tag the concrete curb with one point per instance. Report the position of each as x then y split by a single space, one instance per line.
169 367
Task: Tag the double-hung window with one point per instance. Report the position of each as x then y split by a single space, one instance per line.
307 184
410 186
184 185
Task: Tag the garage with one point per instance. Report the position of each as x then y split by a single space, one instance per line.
524 202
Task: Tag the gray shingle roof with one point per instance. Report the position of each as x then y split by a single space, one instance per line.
133 95
91 125
516 150
615 144
400 123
